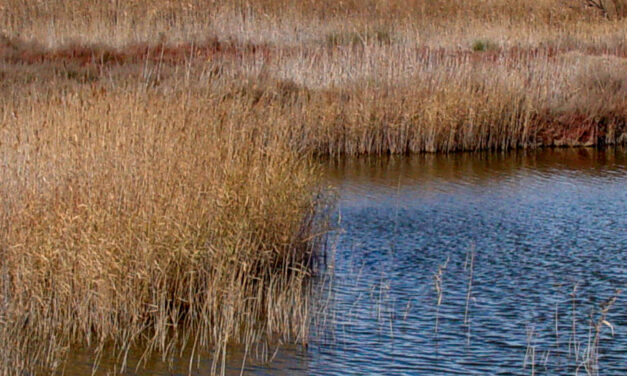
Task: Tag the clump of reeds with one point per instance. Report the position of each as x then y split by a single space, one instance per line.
583 356
135 217
590 355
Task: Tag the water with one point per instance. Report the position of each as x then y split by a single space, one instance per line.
528 244
536 226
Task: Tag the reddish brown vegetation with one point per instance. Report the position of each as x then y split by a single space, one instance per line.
20 52
576 128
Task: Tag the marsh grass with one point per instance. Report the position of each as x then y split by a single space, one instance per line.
129 219
156 179
388 77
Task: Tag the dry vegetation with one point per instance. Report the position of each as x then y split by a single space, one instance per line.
141 216
155 156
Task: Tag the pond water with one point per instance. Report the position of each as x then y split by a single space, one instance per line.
473 263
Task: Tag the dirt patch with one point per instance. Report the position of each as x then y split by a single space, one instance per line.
579 129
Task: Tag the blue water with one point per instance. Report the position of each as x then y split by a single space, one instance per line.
544 231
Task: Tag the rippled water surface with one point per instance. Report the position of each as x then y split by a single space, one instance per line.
520 249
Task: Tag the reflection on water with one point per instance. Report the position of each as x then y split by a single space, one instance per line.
535 243
536 225
287 360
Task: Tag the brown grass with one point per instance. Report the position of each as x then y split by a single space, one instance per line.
137 216
156 174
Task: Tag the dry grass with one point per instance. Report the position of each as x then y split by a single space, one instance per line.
134 215
156 179
365 77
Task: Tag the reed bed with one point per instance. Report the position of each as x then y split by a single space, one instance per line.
130 219
157 181
369 77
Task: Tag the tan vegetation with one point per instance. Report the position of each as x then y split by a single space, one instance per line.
156 175
139 215
367 77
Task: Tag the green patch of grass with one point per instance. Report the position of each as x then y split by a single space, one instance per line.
353 38
481 45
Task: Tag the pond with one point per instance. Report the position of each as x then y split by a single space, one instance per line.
470 263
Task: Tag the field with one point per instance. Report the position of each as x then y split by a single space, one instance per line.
158 179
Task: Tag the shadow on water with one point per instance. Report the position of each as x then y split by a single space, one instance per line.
286 360
513 255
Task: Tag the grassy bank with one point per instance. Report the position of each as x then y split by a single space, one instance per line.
156 156
363 77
